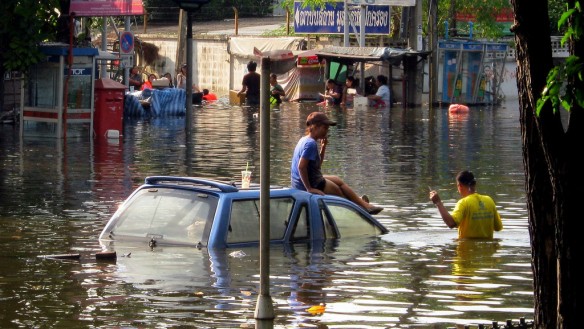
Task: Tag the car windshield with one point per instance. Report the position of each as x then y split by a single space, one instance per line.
167 214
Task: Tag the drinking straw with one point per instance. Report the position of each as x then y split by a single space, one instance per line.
247 166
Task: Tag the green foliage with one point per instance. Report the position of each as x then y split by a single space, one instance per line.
485 12
563 81
556 9
306 3
30 22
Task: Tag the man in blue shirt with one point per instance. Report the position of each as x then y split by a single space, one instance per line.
305 173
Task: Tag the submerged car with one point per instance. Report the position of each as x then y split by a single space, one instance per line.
205 213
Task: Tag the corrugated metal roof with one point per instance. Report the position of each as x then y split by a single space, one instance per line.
369 54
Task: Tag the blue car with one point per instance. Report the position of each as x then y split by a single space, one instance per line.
206 213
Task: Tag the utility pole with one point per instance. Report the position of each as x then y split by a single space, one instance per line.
433 45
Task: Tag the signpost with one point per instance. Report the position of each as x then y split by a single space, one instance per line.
126 49
126 43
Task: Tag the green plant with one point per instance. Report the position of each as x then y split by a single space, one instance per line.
564 81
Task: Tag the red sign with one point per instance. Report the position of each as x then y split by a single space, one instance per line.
505 15
106 7
310 60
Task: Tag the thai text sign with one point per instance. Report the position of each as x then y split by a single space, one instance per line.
106 7
330 19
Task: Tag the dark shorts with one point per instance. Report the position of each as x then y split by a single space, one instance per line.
321 185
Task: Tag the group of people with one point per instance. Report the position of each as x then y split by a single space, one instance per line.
475 215
344 96
135 81
334 94
250 86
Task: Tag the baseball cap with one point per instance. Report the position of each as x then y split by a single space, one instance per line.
319 118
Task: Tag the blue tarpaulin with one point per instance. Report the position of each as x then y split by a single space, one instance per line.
163 102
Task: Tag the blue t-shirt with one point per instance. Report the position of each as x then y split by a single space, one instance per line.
306 148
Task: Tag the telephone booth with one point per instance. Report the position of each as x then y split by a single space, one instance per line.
471 71
58 99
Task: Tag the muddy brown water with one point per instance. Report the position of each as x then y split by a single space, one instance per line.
56 196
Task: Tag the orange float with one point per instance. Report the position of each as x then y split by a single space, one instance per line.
458 108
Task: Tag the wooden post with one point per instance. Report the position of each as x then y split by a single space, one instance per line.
236 20
182 33
287 21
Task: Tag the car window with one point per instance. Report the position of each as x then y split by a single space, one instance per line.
244 223
301 230
170 214
329 228
350 222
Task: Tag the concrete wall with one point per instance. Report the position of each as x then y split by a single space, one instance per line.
211 61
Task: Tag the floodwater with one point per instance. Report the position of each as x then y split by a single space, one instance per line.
56 197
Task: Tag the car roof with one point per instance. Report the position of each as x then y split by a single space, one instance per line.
229 189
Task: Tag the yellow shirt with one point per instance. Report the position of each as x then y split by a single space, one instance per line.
476 216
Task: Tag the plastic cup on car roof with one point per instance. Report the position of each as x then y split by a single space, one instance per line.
245 178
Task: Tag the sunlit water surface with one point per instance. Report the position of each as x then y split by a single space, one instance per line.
56 198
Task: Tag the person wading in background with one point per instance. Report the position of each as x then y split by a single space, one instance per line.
250 85
475 215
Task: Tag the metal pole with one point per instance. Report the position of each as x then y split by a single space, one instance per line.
127 69
103 68
264 308
363 20
347 26
189 82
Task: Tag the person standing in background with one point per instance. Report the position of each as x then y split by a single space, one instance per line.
250 85
181 77
333 94
169 77
351 89
382 97
181 83
276 92
135 78
475 215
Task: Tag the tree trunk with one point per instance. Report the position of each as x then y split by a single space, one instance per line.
552 179
2 86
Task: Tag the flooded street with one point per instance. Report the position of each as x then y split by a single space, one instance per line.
57 196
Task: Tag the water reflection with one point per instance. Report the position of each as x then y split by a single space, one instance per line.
56 197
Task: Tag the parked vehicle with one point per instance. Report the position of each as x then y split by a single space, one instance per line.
206 213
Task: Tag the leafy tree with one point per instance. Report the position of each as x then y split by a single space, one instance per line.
24 24
551 157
